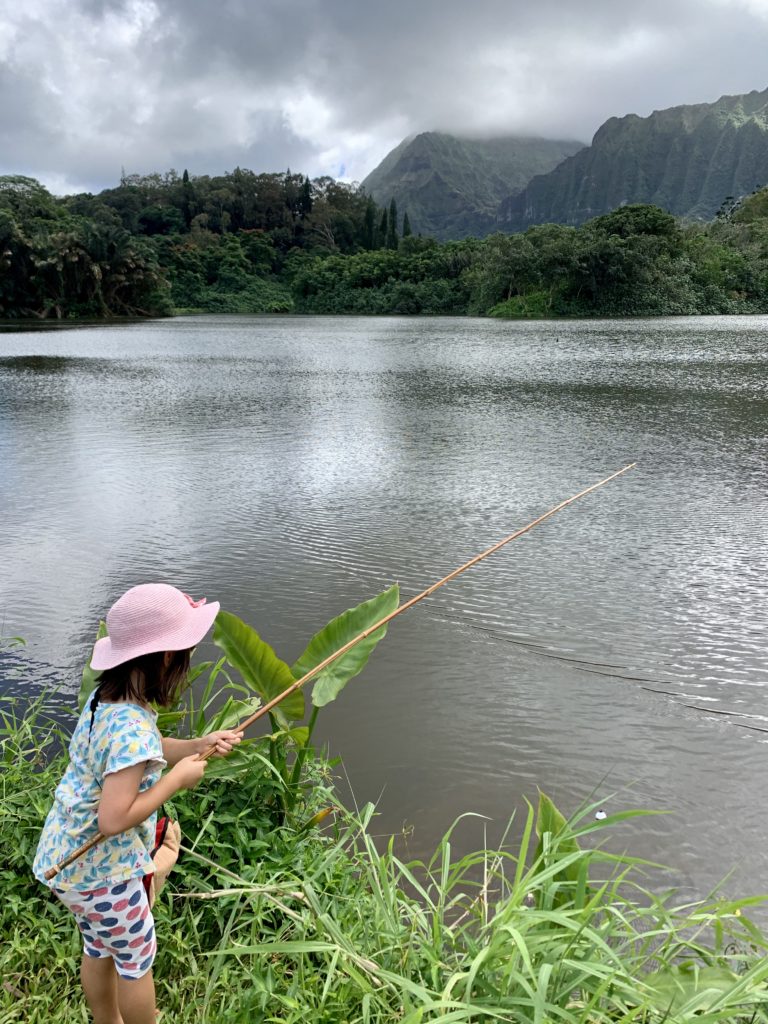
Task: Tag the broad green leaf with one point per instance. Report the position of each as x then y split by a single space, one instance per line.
336 634
549 818
90 678
257 663
674 986
550 822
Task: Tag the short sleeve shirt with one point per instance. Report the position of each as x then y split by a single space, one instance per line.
123 735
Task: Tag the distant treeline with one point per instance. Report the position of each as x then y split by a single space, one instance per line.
273 243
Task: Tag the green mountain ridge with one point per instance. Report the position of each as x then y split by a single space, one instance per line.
452 187
686 159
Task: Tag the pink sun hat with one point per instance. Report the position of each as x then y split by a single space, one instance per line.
152 617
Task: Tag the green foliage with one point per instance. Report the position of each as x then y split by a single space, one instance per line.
337 634
691 989
551 827
452 187
750 209
157 242
223 273
418 277
264 920
265 676
638 219
255 297
392 236
685 159
635 261
246 243
57 264
534 305
257 663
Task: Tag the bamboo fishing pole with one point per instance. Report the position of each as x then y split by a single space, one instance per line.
98 838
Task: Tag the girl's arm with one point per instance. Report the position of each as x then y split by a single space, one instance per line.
174 750
122 806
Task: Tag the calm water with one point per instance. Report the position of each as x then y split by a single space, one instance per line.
294 467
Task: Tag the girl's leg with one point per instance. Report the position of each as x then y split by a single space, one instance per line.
136 999
99 980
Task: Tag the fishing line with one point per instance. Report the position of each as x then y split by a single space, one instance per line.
317 669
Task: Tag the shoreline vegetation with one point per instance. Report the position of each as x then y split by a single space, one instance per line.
270 918
285 907
247 243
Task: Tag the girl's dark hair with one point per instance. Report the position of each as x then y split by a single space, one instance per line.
144 679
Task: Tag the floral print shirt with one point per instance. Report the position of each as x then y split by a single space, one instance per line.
123 734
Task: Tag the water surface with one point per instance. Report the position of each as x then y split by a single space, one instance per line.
292 467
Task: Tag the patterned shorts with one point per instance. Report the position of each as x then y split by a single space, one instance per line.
115 921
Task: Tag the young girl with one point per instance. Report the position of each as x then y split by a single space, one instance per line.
113 785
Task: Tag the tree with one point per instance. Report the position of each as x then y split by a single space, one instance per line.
406 225
391 242
305 199
369 225
27 198
187 199
637 219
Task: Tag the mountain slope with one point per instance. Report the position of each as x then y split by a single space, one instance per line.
686 159
451 187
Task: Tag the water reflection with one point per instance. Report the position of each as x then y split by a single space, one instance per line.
293 467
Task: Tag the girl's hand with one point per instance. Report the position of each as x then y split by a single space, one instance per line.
187 772
223 740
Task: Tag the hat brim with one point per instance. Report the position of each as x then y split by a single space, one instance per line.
200 620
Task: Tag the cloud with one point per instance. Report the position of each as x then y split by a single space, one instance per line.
88 87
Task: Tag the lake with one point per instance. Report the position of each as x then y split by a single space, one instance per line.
293 467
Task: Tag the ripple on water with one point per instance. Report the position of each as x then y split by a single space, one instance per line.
293 467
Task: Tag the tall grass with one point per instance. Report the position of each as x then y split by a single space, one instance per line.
267 919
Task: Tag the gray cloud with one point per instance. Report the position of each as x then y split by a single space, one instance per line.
90 86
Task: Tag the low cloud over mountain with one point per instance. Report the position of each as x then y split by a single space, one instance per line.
90 86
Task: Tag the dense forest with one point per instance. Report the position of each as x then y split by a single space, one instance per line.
272 243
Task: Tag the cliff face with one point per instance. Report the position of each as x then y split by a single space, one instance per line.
686 160
452 187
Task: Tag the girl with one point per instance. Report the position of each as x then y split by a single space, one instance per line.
113 784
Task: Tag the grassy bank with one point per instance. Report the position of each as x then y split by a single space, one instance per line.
270 918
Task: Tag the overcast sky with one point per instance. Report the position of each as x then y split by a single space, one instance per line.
88 87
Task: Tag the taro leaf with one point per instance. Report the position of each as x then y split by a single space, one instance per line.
90 677
257 663
674 986
336 634
550 821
